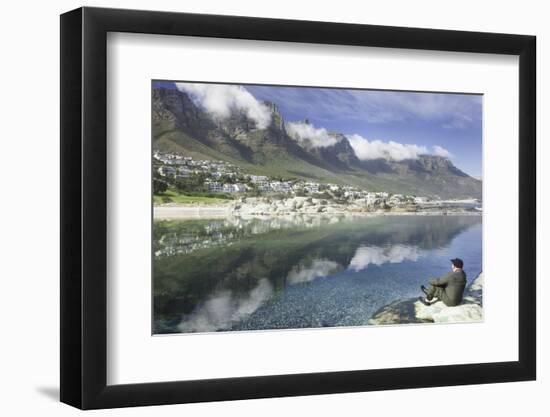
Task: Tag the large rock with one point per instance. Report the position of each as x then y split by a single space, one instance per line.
414 311
398 312
440 313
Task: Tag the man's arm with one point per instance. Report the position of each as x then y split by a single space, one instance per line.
441 282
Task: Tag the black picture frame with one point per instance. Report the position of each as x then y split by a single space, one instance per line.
84 207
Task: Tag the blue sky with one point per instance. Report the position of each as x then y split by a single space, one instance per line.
449 121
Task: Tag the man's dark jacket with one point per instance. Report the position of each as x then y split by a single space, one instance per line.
450 288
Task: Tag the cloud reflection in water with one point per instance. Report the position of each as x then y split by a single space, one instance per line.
317 269
378 255
225 308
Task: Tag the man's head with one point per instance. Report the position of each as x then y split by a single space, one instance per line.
457 263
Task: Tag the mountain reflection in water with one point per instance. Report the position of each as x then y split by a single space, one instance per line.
280 273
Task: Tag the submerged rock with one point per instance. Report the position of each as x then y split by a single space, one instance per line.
414 311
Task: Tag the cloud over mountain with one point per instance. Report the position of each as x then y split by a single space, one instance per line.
303 131
374 149
366 149
441 151
221 100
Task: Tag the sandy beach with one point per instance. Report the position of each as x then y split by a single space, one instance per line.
186 212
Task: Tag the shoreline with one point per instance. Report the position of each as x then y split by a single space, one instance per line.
166 212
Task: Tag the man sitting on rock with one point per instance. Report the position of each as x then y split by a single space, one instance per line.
449 288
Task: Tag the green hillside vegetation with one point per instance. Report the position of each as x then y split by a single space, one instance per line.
281 165
172 195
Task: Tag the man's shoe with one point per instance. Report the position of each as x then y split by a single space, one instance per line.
424 301
424 289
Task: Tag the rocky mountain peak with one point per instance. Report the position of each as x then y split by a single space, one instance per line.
277 121
438 164
176 106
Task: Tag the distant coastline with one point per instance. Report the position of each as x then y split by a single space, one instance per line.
289 208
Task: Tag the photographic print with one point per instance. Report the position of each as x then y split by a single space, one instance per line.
294 207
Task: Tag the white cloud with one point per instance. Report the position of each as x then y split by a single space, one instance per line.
318 137
441 151
374 149
365 149
221 100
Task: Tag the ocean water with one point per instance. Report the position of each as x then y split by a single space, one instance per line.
306 272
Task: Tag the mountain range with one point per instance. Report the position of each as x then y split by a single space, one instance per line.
181 125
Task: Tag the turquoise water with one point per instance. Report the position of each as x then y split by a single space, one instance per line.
237 274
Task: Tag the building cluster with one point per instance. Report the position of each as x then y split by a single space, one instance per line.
174 166
216 187
177 166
